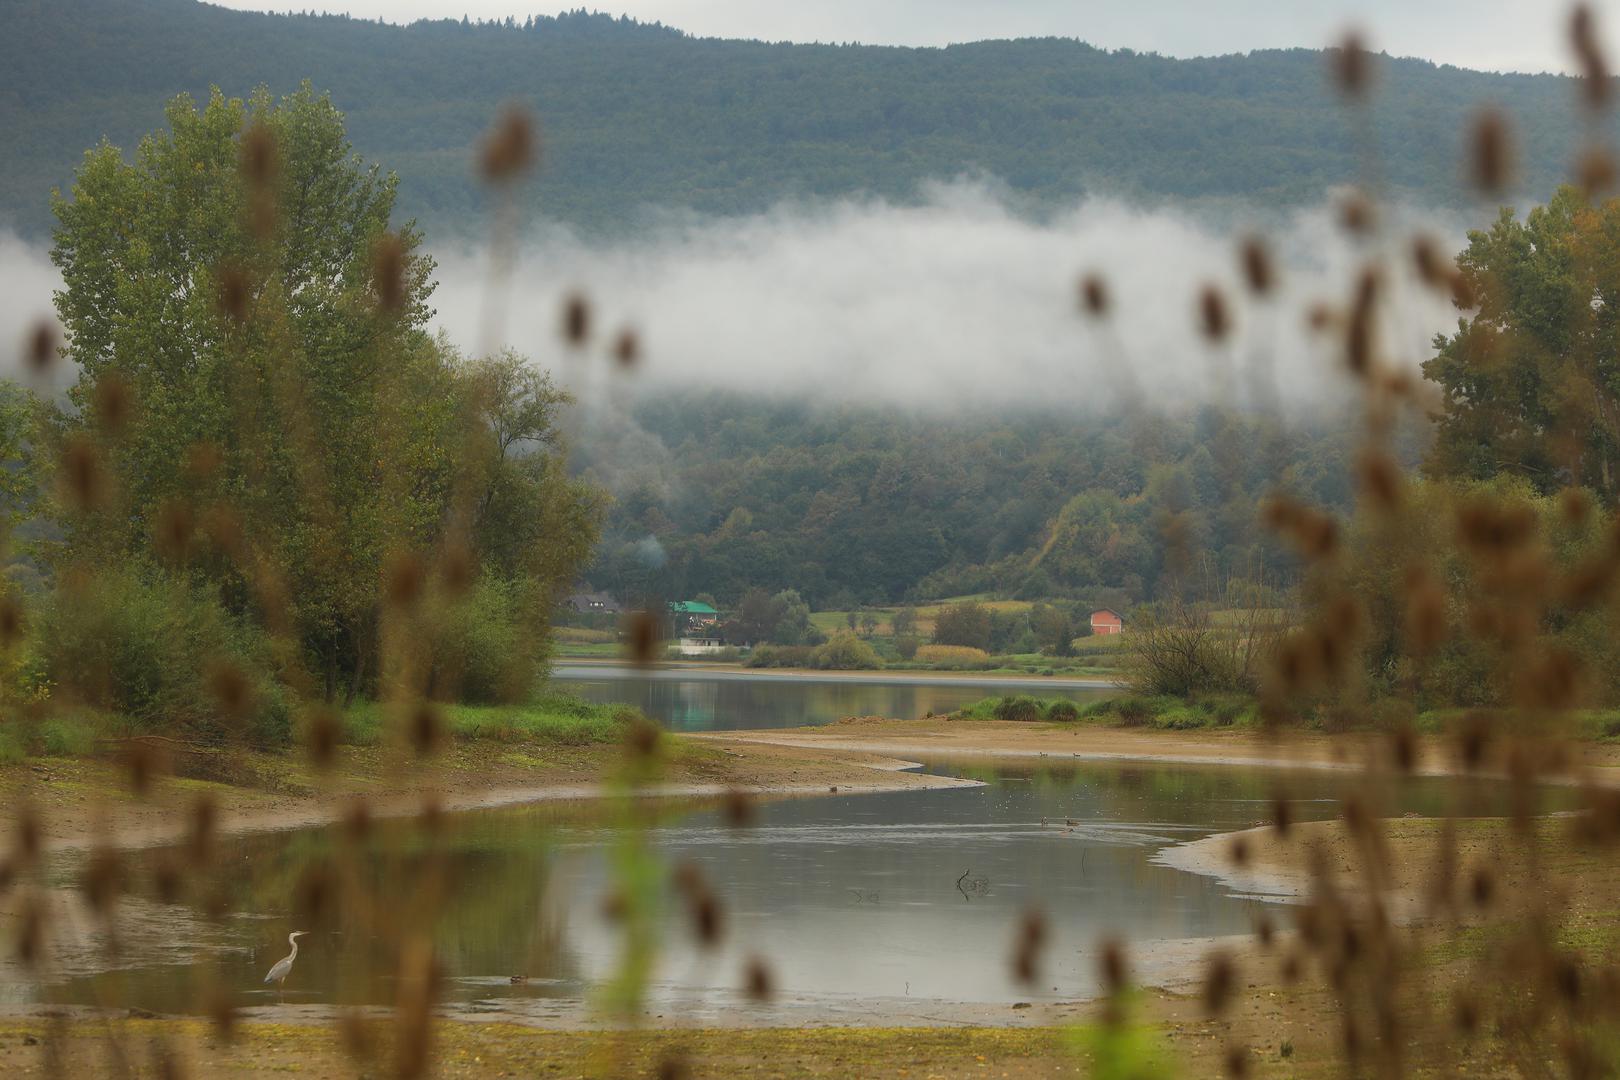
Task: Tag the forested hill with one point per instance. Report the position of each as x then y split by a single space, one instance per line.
637 115
854 506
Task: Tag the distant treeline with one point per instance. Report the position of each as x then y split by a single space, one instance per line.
876 506
640 115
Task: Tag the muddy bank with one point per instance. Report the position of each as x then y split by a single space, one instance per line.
80 802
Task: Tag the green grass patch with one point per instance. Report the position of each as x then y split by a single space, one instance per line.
1173 713
555 720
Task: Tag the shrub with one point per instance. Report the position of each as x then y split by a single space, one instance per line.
486 649
906 646
149 649
1062 712
963 624
846 652
780 656
1021 709
953 656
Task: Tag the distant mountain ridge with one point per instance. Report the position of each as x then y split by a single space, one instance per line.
638 115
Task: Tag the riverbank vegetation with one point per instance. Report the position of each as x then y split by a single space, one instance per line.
269 495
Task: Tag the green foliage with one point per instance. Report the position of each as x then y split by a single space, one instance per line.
1536 357
888 507
846 652
486 647
1021 708
340 440
967 625
906 647
549 719
144 647
638 115
781 656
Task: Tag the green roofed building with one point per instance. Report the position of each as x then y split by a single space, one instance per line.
693 613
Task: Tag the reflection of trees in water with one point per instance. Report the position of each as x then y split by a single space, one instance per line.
765 702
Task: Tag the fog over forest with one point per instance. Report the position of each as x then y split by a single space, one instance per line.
959 300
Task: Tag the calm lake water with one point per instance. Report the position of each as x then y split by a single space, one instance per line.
685 699
910 896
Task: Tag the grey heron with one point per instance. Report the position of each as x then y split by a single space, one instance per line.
283 968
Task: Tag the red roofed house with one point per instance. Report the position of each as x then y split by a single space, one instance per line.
1107 621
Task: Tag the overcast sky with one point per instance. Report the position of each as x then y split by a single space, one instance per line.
1517 35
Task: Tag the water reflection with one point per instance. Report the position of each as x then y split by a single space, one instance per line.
684 700
909 895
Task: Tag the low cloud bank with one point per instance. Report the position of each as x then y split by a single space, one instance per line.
958 302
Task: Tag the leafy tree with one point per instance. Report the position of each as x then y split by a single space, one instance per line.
904 622
963 624
254 373
1529 381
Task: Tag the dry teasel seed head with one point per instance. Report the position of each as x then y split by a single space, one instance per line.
642 738
234 292
757 980
388 265
103 880
355 1031
42 347
425 728
357 821
30 933
1482 887
1492 152
457 567
221 1011
1114 967
12 621
1265 931
1575 505
430 815
172 530
260 156
627 350
403 579
1259 271
673 1066
113 399
314 894
1282 816
168 882
1220 979
141 762
1357 214
1359 327
230 689
1379 480
27 837
82 476
202 459
738 808
511 147
1595 172
576 320
1237 1061
321 734
1094 298
1238 852
1213 317
1352 65
642 631
1028 945
1583 39
203 830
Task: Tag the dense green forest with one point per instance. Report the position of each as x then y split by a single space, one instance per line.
637 115
878 506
